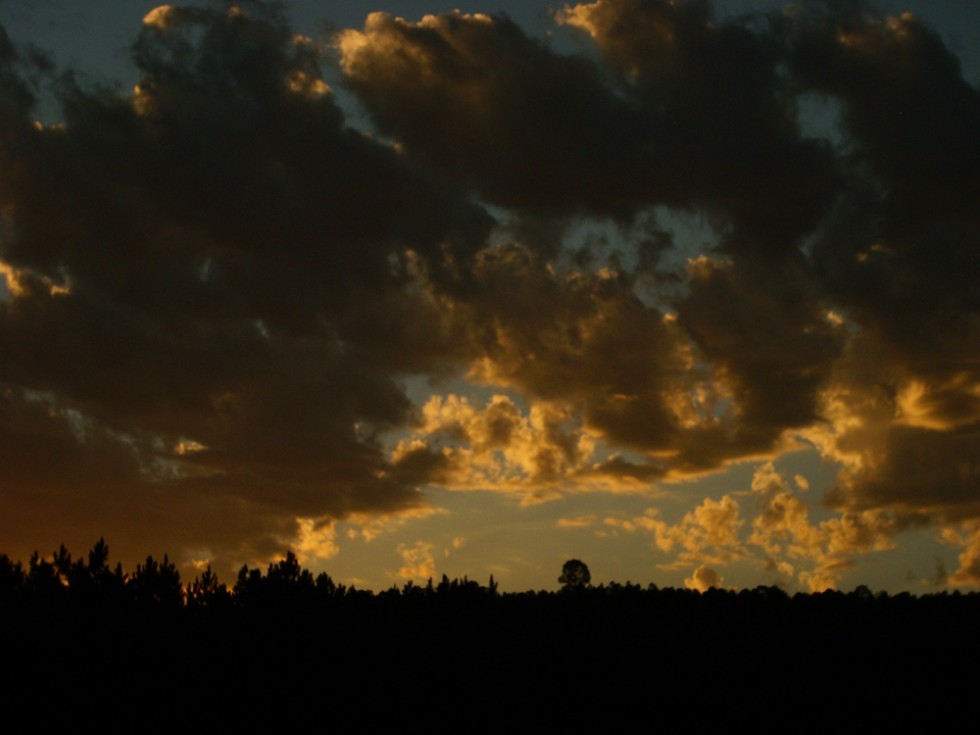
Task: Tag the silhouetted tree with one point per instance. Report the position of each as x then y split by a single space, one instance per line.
157 584
443 587
12 579
248 587
43 581
206 591
325 586
96 583
62 565
574 575
98 559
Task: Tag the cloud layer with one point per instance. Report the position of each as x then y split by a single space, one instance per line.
217 290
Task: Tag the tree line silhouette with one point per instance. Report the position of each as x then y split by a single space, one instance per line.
61 581
292 638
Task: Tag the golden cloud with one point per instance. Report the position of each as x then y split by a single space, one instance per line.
419 561
703 579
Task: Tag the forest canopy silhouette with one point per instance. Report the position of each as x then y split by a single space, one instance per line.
101 626
59 583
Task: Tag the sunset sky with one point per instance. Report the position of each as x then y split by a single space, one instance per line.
687 290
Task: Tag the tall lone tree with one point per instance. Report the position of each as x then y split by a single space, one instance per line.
574 575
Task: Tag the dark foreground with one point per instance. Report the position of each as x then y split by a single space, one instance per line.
283 650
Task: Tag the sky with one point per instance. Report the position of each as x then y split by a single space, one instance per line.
686 290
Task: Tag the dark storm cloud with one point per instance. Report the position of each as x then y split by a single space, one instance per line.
898 254
497 111
719 117
690 112
216 285
584 338
743 360
901 249
764 332
871 239
17 97
924 470
219 280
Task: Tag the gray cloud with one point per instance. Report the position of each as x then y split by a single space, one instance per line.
216 287
498 111
220 280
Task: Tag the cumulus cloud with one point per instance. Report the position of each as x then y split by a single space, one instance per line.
783 531
714 524
709 534
772 530
496 110
686 69
905 446
703 579
896 253
215 289
967 538
201 263
771 344
419 561
315 541
497 447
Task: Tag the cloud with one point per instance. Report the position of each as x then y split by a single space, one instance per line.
577 522
773 531
216 290
563 337
497 447
755 333
709 533
685 69
771 344
968 538
419 561
783 526
782 529
896 255
201 263
714 523
906 446
496 110
703 579
574 137
370 526
315 542
585 342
